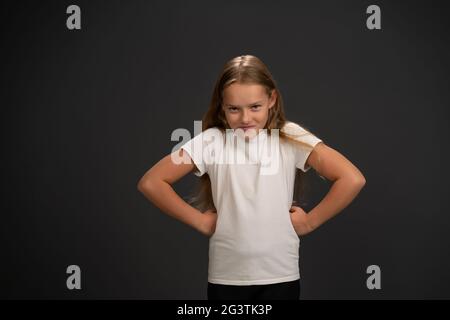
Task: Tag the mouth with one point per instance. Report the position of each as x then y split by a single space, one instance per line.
247 128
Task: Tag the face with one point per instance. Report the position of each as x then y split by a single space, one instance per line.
246 106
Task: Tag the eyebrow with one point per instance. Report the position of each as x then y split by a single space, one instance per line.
252 104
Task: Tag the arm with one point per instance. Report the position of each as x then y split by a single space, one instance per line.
156 185
347 183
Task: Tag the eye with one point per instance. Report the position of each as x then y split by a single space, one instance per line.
232 109
255 107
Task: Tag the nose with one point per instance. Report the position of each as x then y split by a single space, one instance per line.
245 116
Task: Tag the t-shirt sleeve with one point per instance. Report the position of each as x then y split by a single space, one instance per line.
198 149
301 153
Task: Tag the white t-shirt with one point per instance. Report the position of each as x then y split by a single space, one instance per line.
254 242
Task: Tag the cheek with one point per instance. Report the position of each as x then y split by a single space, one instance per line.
263 115
232 116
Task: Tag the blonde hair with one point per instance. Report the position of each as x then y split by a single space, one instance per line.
245 69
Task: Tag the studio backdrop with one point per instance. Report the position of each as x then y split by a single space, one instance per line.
93 90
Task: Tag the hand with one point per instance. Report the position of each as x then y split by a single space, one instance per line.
207 223
300 221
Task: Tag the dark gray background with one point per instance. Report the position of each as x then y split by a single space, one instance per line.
85 113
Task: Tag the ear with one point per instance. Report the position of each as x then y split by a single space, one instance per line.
273 98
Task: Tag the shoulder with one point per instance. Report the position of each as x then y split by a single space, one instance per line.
293 128
208 134
300 133
211 137
212 131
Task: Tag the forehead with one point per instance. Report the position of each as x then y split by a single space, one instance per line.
243 94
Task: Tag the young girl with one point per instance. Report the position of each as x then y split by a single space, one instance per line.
246 207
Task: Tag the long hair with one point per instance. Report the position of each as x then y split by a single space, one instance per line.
245 69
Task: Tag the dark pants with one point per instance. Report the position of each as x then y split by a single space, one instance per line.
277 291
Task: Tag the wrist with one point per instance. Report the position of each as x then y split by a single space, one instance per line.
312 221
196 220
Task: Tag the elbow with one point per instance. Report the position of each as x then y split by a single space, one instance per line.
355 181
363 181
360 181
144 185
140 185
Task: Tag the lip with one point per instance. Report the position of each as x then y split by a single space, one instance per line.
246 128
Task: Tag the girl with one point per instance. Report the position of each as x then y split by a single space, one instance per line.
246 207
